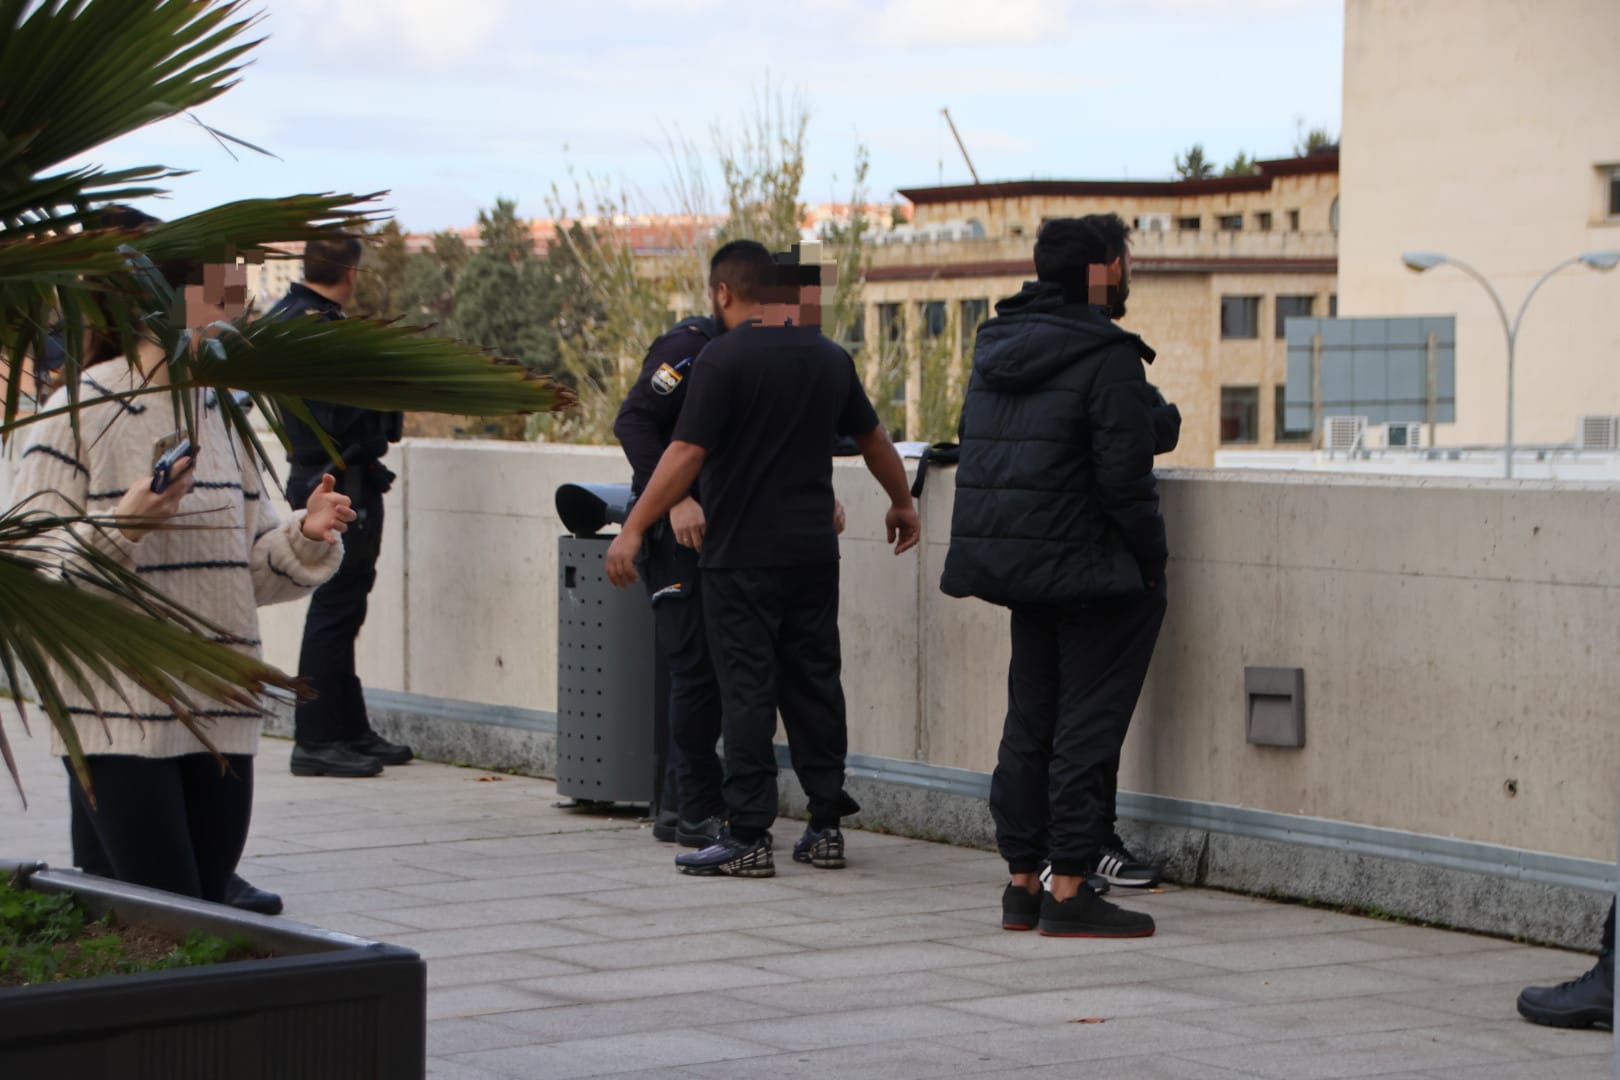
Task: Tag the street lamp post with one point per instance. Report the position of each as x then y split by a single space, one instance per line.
1419 261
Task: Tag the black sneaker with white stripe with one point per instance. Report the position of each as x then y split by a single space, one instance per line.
728 855
1094 879
1117 866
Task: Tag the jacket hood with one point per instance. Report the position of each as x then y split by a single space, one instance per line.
1035 334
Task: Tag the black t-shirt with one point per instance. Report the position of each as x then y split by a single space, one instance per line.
765 402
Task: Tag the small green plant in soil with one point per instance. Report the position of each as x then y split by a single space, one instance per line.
49 937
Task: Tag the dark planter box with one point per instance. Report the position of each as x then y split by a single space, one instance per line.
324 1006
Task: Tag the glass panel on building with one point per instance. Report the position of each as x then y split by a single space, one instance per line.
1240 316
1240 414
1230 222
891 326
1293 307
1614 191
1293 221
1262 221
972 313
933 318
1188 224
1284 433
1333 305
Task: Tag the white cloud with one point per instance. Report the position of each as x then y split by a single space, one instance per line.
971 22
434 34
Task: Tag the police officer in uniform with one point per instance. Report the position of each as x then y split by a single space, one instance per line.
690 805
332 734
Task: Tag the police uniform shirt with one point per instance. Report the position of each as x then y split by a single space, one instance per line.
647 418
763 402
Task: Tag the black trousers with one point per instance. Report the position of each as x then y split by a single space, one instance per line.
337 610
169 823
1608 930
1072 686
693 775
774 636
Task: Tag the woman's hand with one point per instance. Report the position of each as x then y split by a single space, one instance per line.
141 509
328 513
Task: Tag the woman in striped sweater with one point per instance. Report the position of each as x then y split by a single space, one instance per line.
166 814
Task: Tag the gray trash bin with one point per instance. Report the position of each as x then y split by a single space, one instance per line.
611 693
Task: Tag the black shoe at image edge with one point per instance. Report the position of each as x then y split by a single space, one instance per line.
332 759
240 894
1587 1001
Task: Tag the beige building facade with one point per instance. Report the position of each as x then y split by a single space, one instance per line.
1216 266
1487 130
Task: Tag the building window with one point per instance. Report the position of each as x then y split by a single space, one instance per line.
934 322
1229 222
972 313
1284 433
1614 191
1188 224
1240 316
1293 307
891 326
1333 215
1262 221
1015 230
1333 305
1240 414
855 335
1293 221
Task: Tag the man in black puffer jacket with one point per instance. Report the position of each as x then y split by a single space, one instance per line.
1057 517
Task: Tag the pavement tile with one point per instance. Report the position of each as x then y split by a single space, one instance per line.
991 938
1107 1002
873 960
903 1060
481 999
630 926
655 981
1482 1001
1339 982
1338 1056
461 890
1521 1040
516 909
494 967
461 1035
470 940
1525 966
1593 1067
675 949
446 1069
1429 941
1135 1068
848 933
853 1027
1264 923
872 991
613 1054
1054 1044
1318 1019
674 1011
1274 954
1080 971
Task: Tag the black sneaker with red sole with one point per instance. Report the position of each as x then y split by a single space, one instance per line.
1087 915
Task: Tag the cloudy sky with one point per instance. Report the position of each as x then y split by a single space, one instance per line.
449 103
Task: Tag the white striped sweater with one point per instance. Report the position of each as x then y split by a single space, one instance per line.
248 557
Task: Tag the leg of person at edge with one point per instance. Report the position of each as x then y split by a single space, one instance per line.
1057 518
766 401
1583 1002
691 805
332 734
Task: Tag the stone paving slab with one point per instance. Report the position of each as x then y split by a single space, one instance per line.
562 944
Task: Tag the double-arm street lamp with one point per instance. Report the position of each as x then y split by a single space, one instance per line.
1419 261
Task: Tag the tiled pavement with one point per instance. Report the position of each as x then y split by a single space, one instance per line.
563 945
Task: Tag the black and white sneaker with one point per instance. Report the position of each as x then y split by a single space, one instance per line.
728 855
823 848
1117 866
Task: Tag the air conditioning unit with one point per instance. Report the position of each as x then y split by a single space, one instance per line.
1407 434
1598 433
1343 432
1154 223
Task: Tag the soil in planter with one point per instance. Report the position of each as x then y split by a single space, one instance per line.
49 937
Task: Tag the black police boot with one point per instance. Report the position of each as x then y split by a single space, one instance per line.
239 894
666 825
375 746
1580 1003
332 759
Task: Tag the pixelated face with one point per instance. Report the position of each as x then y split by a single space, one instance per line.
222 296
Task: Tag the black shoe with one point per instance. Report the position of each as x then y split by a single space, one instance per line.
728 855
698 834
1085 914
239 894
1117 866
666 823
375 746
1098 883
1580 1003
820 847
1020 908
332 759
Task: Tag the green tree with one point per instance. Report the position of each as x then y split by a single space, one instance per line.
1242 165
427 294
1192 165
58 266
378 290
1314 141
500 294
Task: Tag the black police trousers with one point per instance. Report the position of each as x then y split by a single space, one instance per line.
692 777
773 633
337 610
1072 686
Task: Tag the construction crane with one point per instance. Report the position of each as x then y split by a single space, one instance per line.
961 146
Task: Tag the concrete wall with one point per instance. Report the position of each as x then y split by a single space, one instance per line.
1456 635
1477 128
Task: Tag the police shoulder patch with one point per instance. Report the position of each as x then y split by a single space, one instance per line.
666 379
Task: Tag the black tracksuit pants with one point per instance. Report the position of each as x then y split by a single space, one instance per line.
1608 930
1072 686
693 776
337 610
168 823
773 632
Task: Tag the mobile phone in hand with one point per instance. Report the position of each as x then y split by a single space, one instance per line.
163 470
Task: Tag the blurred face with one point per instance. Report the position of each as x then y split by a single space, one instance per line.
222 296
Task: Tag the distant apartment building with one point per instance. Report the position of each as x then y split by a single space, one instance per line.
1487 130
1217 266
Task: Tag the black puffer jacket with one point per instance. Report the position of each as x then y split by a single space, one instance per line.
1055 497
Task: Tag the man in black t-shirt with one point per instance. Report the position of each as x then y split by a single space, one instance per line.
764 402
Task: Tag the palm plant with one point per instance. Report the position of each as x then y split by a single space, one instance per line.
74 75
